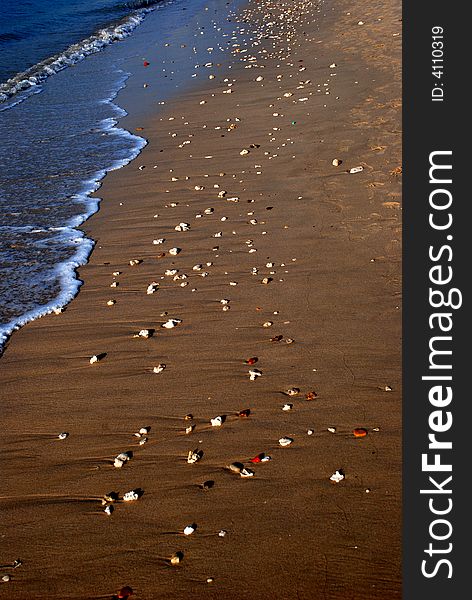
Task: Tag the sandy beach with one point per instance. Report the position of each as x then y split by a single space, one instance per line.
238 273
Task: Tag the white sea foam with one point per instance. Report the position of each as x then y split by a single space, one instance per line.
34 76
65 272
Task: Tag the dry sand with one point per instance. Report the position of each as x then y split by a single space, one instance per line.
333 239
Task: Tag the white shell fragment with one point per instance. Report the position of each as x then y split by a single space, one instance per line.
189 529
131 496
144 333
170 323
95 359
111 302
254 374
121 459
152 287
285 441
356 169
194 456
175 251
182 227
246 472
337 476
177 557
109 509
287 407
222 533
217 421
63 435
160 367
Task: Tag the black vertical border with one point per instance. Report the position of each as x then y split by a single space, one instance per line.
434 126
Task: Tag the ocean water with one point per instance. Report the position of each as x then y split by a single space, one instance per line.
62 65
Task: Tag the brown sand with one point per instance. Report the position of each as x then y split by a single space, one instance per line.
291 533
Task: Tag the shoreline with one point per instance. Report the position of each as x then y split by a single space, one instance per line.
90 200
333 240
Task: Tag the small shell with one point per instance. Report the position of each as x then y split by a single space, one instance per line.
189 529
222 533
244 413
337 476
110 497
254 374
285 441
287 407
356 169
246 472
171 323
194 456
262 457
109 508
252 360
182 227
160 367
152 287
63 435
176 558
217 421
144 333
131 496
174 251
111 302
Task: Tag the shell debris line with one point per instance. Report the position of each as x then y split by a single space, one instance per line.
257 207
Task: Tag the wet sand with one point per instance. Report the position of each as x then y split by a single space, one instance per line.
328 244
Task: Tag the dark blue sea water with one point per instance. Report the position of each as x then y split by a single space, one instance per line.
62 64
34 30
